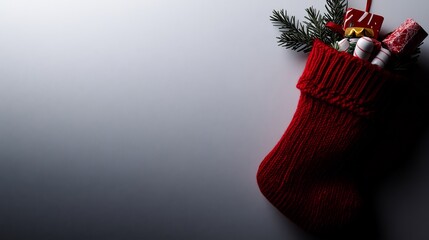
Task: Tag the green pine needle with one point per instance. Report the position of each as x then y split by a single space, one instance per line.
299 36
335 11
316 24
293 33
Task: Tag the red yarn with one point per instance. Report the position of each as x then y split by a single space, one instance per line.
307 174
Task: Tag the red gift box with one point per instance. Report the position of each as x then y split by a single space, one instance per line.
406 38
360 19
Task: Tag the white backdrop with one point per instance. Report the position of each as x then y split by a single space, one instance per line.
125 119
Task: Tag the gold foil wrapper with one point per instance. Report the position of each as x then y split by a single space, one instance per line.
359 32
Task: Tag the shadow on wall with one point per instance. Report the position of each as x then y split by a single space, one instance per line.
396 143
400 145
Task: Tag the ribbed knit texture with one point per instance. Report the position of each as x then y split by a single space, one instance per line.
307 174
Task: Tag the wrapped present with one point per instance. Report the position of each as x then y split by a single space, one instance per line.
406 38
355 18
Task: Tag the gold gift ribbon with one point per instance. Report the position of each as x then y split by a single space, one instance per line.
358 32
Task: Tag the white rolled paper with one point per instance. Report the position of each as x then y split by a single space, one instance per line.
343 45
364 47
382 57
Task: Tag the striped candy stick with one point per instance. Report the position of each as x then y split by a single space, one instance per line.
364 47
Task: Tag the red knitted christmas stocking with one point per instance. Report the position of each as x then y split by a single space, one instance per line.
307 175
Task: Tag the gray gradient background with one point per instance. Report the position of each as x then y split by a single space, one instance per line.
127 119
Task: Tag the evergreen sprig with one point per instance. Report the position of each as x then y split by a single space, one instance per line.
299 36
335 11
293 33
316 24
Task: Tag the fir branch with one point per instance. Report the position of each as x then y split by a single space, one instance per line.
294 35
316 25
335 10
351 48
299 36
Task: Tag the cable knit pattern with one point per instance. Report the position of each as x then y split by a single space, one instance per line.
345 81
309 175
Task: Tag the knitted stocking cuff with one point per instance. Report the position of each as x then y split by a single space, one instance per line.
345 81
